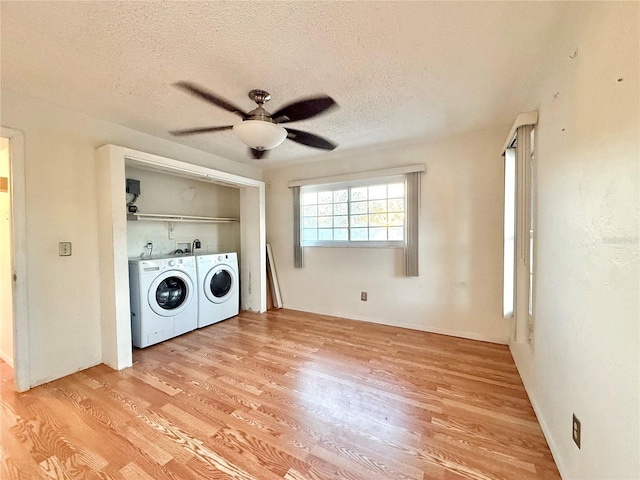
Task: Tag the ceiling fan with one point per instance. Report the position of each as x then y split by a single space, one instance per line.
259 129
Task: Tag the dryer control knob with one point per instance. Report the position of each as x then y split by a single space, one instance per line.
172 263
220 258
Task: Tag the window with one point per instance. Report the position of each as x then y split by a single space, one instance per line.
379 208
370 213
508 295
519 227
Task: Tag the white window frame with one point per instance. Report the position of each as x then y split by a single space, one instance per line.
353 243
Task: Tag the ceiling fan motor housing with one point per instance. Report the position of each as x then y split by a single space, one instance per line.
259 129
259 114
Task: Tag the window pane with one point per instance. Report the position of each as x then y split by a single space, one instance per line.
359 207
325 197
359 234
378 220
325 234
396 205
359 193
378 233
326 209
310 211
341 234
377 206
325 222
340 208
377 192
310 198
363 213
359 220
396 190
510 182
396 219
341 221
396 233
310 222
309 234
340 196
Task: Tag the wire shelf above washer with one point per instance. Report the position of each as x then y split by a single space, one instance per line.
160 217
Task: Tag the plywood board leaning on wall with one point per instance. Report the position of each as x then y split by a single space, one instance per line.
273 279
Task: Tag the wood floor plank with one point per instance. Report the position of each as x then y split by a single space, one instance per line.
283 395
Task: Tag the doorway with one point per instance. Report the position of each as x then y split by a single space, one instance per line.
6 257
14 325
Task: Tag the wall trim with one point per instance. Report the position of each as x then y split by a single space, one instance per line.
158 163
516 353
6 358
65 373
409 326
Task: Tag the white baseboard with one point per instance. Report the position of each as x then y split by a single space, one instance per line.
541 420
6 358
62 374
423 328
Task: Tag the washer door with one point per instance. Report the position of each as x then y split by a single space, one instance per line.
170 293
220 283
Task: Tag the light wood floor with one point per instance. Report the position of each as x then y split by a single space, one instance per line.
283 395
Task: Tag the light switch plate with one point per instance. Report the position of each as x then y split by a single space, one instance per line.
64 249
577 430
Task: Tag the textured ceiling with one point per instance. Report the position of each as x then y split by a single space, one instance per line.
401 71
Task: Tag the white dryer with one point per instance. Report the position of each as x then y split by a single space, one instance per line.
218 287
163 299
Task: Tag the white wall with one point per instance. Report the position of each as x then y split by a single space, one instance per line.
170 194
60 169
585 356
6 300
458 291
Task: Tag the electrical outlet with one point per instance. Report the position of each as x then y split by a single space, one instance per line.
64 249
363 296
576 430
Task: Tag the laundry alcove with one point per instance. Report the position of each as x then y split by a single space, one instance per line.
112 240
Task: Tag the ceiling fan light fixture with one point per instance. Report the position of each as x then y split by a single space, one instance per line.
260 134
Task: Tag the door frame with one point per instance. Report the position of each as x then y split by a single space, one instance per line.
19 259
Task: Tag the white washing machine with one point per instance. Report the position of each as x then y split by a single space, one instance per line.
218 287
163 299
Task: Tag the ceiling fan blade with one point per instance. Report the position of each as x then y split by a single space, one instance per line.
210 97
304 109
309 139
257 154
193 131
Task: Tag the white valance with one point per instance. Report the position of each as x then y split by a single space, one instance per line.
350 177
526 118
